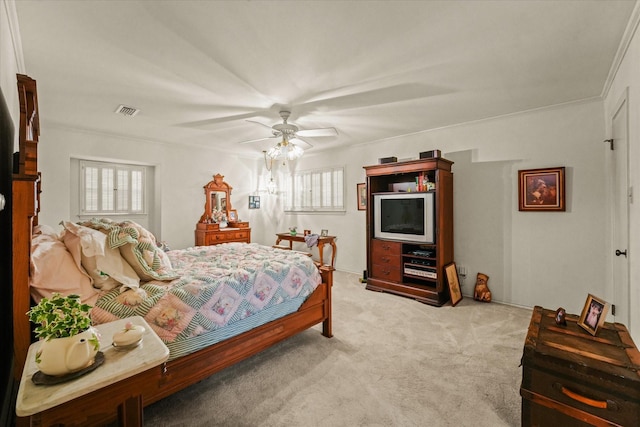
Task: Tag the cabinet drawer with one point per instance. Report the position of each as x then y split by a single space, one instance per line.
243 224
386 272
212 239
579 400
387 260
215 238
227 236
386 253
384 247
241 234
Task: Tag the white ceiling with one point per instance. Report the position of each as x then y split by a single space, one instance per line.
198 70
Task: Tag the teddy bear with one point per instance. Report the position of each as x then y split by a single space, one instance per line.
481 291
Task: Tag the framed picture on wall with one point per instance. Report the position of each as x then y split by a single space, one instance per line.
254 202
541 189
362 196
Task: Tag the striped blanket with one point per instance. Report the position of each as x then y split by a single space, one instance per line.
222 291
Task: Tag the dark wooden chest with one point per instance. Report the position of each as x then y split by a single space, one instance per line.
571 378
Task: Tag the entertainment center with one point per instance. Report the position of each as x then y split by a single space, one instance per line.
410 228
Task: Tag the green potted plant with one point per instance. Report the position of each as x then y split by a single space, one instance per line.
68 342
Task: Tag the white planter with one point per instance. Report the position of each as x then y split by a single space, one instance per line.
62 356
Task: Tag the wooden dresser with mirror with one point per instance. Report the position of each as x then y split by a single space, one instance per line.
218 198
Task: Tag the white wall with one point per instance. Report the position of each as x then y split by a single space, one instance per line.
180 174
11 59
533 258
626 78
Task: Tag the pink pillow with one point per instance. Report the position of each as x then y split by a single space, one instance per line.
45 229
53 269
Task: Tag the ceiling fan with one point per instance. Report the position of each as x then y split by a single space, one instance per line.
290 132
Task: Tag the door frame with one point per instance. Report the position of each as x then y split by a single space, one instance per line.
623 102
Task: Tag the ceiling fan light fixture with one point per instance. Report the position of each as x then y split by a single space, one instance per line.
285 150
274 152
292 152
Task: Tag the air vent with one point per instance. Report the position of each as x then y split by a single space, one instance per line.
127 111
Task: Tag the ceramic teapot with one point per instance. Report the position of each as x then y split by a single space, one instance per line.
62 356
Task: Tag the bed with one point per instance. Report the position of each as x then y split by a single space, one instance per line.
200 345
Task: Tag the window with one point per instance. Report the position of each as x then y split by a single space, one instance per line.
319 190
110 188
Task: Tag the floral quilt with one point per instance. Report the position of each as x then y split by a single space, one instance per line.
222 291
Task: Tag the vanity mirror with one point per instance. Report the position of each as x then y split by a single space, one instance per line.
217 196
211 229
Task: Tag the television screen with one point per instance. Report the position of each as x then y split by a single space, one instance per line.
402 216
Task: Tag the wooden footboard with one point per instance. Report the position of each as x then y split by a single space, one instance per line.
101 406
180 373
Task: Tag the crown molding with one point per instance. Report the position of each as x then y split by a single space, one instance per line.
14 31
623 47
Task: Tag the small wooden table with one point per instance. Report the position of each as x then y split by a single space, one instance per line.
331 240
107 386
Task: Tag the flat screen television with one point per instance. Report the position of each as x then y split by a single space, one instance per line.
404 216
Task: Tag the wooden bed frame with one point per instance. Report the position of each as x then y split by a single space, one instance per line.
156 383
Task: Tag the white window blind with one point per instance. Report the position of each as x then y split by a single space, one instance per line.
109 188
319 190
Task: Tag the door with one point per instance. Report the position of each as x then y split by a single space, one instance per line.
620 214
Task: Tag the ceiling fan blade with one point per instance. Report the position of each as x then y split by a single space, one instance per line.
259 139
297 140
259 123
217 120
317 132
367 98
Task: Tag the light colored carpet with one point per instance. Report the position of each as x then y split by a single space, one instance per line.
392 362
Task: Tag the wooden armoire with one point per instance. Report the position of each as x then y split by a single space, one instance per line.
403 265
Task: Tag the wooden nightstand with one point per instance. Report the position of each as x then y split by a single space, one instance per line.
106 390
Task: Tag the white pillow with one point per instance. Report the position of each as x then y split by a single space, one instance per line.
53 269
105 265
137 246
